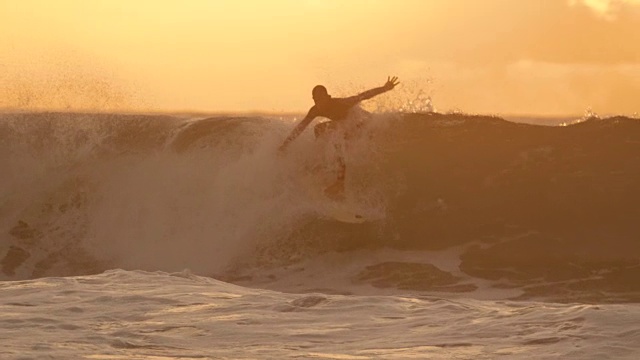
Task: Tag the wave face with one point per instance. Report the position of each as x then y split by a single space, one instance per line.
548 210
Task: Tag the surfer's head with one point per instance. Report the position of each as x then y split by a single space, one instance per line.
320 94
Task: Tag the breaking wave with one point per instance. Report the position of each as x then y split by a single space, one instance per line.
550 210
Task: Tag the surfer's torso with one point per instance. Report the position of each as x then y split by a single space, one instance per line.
334 109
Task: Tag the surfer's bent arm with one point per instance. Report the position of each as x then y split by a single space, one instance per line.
299 128
371 93
389 85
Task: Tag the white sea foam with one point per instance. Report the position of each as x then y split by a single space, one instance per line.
139 315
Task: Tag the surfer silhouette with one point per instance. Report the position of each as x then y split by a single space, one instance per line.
337 111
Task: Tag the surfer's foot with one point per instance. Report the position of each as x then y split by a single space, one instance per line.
335 191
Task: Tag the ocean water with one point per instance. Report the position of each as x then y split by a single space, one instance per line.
190 237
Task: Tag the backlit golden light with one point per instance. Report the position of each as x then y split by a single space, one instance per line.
481 56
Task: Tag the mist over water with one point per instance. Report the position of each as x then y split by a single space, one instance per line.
139 192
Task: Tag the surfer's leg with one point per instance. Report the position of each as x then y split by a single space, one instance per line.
321 129
336 190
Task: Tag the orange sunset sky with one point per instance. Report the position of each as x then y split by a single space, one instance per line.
544 57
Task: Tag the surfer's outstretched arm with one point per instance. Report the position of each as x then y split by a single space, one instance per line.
390 84
299 128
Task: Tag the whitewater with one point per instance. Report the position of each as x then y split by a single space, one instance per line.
132 236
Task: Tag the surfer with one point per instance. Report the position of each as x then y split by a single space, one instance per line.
337 111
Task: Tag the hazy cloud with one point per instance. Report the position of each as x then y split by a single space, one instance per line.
498 32
608 9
